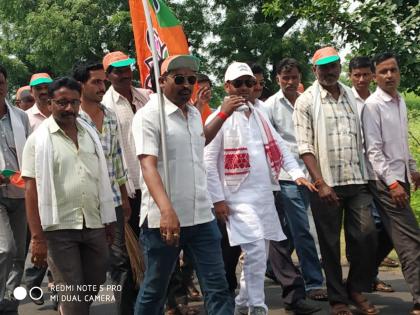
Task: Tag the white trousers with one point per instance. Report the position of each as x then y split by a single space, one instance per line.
251 292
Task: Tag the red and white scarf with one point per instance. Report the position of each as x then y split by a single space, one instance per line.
236 157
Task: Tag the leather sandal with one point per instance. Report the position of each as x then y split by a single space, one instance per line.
389 262
318 294
363 305
340 309
381 286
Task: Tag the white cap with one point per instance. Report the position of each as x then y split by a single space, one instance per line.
236 70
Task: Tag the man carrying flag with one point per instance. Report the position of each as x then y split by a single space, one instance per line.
14 129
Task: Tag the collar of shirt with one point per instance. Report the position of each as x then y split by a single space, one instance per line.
34 110
385 96
86 116
171 108
118 98
324 93
54 127
284 100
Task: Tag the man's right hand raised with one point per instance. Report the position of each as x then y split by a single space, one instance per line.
169 227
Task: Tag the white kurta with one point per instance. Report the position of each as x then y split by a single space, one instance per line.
253 213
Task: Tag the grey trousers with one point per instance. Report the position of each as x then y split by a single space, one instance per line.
76 258
403 229
12 244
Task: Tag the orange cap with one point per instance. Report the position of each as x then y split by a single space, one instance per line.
117 59
325 55
21 89
40 78
179 61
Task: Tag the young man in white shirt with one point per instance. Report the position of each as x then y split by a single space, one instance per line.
385 129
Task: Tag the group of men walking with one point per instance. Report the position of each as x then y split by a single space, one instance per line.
241 184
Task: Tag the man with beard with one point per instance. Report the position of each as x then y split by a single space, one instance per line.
243 162
125 100
386 136
69 199
14 129
183 218
39 88
329 138
24 99
92 78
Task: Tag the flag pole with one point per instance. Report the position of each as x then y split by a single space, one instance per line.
162 120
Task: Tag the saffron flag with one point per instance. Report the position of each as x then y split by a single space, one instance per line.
14 177
169 37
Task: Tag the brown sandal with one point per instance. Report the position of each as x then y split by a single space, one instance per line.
340 309
362 304
381 286
318 294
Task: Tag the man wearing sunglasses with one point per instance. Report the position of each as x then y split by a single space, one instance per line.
39 88
182 219
69 199
243 162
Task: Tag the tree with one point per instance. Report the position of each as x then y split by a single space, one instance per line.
50 36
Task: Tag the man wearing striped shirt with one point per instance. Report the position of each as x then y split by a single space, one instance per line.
328 135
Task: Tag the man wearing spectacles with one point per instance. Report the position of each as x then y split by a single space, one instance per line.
183 218
69 199
243 162
39 88
24 99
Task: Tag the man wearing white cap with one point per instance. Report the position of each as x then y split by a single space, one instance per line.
328 134
183 218
243 162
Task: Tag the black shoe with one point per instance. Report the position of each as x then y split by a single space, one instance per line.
302 307
37 296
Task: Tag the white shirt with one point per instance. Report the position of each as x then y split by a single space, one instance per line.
385 127
253 213
35 116
185 146
279 111
122 108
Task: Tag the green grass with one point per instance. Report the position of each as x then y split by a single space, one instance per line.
413 105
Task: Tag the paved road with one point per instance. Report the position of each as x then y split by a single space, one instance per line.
397 303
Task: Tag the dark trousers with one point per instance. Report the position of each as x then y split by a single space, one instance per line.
77 257
120 269
202 242
361 240
402 227
281 264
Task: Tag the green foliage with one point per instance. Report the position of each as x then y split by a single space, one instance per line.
50 36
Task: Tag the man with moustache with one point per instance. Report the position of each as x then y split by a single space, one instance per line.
39 88
14 129
182 219
293 198
92 78
386 136
361 75
69 199
329 139
24 99
125 100
242 163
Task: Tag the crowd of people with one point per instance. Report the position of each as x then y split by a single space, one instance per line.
250 182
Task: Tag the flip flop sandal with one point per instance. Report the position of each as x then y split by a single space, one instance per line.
364 306
389 262
318 295
340 309
381 286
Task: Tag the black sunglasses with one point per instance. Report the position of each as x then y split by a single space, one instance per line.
238 83
180 79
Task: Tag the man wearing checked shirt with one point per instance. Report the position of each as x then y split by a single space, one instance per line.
92 78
